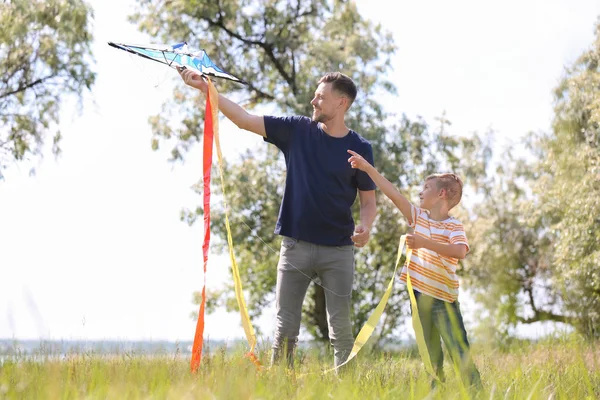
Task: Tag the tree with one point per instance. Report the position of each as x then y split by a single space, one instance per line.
508 267
44 57
282 48
537 235
568 185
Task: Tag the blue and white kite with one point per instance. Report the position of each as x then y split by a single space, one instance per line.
178 56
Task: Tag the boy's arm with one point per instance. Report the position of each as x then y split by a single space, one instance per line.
233 111
458 250
384 185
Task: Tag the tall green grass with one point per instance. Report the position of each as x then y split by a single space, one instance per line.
558 369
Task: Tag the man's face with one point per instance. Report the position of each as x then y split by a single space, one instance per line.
327 103
430 194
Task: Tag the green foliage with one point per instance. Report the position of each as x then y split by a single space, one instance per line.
44 56
536 252
508 268
568 185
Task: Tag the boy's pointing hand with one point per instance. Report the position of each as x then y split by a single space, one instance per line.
357 161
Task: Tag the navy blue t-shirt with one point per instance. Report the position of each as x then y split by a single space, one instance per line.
321 186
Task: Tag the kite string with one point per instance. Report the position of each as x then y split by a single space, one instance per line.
137 61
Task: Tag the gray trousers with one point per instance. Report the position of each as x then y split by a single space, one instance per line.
299 262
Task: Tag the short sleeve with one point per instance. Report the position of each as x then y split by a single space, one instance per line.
458 235
279 131
364 181
414 214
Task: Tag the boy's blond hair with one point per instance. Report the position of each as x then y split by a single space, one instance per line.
452 184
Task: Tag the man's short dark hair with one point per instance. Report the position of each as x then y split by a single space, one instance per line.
342 84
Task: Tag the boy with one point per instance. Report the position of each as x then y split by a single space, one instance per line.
438 242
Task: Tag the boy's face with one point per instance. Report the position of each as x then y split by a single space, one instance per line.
430 194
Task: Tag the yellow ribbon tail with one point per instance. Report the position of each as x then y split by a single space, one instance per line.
246 323
416 320
369 327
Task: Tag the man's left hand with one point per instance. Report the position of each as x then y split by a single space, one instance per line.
361 236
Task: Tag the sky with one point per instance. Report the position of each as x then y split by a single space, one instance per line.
91 246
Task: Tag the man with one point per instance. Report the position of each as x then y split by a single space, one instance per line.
315 217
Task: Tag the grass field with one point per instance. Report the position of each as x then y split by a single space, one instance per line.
557 369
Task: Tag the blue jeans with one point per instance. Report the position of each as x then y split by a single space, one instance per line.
299 263
442 321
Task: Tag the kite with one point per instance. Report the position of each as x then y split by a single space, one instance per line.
179 56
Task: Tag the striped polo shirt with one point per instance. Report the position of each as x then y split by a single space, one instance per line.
431 273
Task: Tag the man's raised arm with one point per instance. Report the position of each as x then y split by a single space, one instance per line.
237 115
